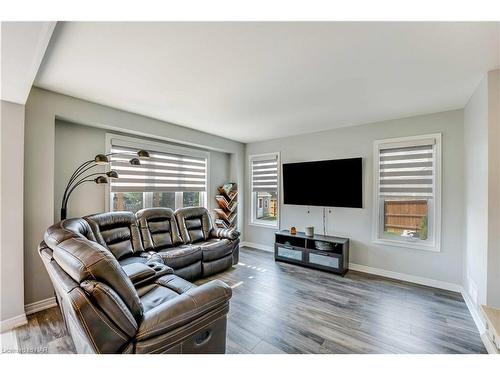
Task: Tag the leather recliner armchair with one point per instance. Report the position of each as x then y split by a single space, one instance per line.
117 298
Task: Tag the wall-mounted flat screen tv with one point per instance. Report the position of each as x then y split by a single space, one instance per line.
326 183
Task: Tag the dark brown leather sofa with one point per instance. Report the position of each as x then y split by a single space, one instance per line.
118 280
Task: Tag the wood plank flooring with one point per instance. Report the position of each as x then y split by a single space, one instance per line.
283 308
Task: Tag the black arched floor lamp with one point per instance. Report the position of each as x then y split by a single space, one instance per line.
76 178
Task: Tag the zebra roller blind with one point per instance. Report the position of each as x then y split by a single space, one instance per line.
407 171
265 174
161 172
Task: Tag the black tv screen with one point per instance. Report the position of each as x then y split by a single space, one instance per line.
327 183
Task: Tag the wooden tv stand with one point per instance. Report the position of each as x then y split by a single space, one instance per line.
301 249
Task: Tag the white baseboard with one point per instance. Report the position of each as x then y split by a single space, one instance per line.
8 342
478 320
8 324
405 277
476 315
44 304
257 246
490 347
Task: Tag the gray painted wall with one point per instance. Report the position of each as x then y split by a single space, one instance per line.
482 193
493 292
11 208
42 110
476 194
219 174
76 143
73 145
356 224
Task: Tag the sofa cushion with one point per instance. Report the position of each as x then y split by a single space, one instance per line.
190 305
215 248
160 234
117 231
164 289
158 228
156 296
194 227
181 256
217 265
191 272
195 223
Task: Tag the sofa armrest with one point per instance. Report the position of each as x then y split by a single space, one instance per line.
183 309
230 233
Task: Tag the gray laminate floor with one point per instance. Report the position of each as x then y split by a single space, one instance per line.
283 308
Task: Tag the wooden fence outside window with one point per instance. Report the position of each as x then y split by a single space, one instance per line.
409 215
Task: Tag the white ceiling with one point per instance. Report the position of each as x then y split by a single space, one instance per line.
22 49
255 81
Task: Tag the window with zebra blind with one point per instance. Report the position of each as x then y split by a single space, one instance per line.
264 180
172 177
407 192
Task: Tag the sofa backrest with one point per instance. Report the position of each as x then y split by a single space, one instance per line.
116 231
159 229
195 223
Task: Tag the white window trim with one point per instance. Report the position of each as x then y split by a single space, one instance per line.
253 221
160 147
435 246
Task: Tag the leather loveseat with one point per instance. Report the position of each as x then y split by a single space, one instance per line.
119 279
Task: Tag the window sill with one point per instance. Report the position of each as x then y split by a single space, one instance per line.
407 244
263 225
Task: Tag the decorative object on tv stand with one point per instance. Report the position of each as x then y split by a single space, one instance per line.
293 231
323 245
76 178
227 199
309 231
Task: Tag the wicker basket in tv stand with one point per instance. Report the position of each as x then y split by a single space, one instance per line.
301 249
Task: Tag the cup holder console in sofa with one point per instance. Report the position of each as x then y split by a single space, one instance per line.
143 273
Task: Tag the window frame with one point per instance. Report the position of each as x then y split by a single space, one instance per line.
160 147
253 202
434 205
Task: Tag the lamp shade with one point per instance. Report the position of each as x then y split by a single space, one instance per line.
135 161
101 180
143 154
112 174
101 159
